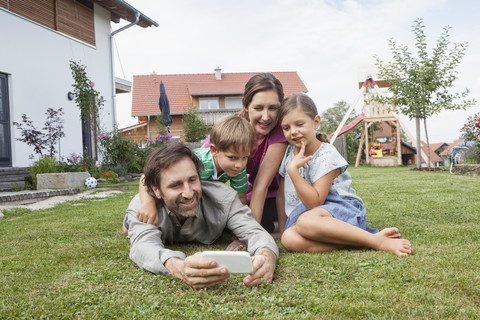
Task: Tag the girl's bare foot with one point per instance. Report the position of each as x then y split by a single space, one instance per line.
390 233
399 247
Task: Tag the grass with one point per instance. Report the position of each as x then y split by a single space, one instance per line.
72 262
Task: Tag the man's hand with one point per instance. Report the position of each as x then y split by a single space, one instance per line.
264 263
147 213
197 272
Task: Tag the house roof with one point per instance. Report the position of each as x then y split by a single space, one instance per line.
433 146
120 9
181 87
433 156
447 151
436 146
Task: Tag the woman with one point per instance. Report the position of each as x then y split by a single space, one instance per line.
261 100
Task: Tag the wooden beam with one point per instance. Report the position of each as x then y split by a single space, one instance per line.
345 117
360 146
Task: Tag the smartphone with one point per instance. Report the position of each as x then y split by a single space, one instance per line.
234 261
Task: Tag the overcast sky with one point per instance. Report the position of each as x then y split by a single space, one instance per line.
327 42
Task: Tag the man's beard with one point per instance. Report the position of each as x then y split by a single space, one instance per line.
184 211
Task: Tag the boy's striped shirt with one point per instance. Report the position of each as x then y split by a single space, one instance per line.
238 183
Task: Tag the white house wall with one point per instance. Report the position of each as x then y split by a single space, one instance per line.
36 60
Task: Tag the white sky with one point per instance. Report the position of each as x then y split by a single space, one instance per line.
326 42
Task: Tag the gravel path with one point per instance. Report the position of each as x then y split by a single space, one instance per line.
36 204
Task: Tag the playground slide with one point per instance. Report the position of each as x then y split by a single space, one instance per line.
349 126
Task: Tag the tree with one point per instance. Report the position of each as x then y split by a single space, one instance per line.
45 139
331 118
195 128
421 84
161 125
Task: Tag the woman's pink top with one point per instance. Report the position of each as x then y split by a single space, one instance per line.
255 160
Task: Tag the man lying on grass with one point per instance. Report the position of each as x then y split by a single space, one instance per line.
193 210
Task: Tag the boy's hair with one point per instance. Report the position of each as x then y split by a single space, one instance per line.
260 82
306 104
232 133
162 158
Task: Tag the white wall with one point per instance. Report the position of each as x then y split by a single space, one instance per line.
37 62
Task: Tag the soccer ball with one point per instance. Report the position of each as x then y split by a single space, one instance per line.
91 182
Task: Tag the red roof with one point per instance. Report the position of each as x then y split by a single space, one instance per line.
447 151
181 87
435 146
433 156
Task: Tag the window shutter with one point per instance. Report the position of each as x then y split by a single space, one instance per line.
41 11
4 4
72 17
76 20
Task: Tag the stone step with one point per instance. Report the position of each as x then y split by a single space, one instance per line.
12 178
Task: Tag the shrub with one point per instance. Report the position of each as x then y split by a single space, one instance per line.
118 150
471 130
73 163
45 164
161 125
123 155
472 156
195 128
77 163
110 176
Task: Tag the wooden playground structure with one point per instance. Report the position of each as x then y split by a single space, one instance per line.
375 111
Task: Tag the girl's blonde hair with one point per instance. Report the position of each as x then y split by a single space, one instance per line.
306 104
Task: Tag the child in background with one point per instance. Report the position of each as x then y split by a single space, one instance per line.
232 139
323 210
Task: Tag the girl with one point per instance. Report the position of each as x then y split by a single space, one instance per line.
323 211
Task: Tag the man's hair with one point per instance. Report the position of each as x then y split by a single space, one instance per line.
162 158
232 133
260 82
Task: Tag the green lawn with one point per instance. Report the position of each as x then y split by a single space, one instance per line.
72 262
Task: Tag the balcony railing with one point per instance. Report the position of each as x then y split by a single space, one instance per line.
212 116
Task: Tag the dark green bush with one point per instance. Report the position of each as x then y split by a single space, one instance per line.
46 164
195 128
122 155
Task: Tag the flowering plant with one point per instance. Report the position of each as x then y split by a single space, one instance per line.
471 129
160 139
110 176
87 98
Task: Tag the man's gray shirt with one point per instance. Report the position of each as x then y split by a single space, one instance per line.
219 208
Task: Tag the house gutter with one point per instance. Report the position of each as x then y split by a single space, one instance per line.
112 68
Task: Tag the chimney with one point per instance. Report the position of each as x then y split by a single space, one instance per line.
218 73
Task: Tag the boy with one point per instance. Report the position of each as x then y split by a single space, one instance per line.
231 140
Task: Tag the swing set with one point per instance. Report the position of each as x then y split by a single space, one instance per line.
375 111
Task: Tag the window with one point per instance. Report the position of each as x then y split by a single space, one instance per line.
233 102
208 103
